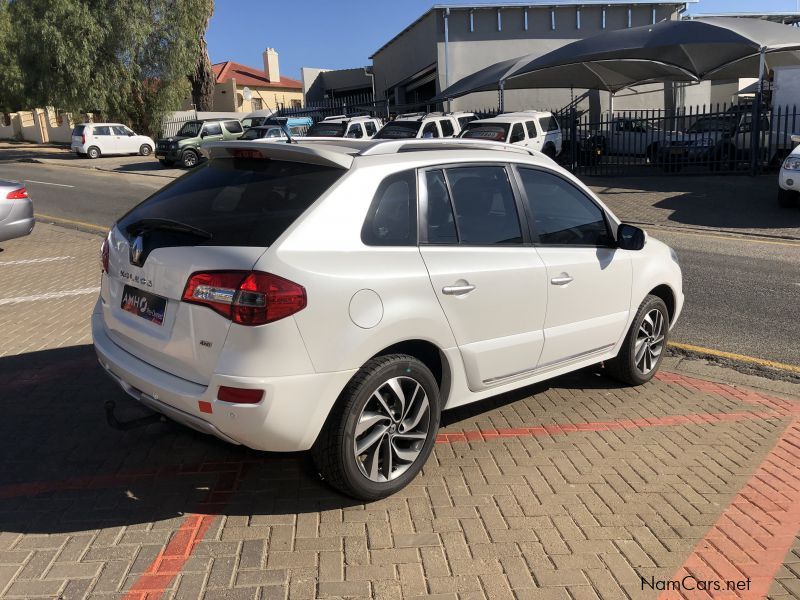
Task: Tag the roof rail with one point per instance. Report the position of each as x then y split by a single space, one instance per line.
418 145
336 117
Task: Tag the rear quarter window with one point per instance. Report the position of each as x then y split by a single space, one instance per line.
233 126
392 216
240 201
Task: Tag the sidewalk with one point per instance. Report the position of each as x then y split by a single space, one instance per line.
61 156
574 488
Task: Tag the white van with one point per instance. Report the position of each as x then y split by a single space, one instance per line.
98 139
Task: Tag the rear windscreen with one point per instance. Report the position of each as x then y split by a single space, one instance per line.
78 129
497 132
327 130
239 201
399 130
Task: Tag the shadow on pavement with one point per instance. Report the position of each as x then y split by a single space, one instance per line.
726 202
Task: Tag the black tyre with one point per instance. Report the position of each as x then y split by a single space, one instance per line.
189 159
165 162
549 151
145 150
788 198
644 345
381 430
93 152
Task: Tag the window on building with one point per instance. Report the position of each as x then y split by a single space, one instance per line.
256 104
296 104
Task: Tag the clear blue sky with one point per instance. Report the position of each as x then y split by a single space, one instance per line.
338 34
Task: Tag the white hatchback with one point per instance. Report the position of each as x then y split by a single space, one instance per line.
530 128
99 139
338 296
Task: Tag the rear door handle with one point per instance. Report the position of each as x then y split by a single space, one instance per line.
562 279
457 290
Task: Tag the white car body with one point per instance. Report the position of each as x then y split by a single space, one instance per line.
109 138
359 128
425 125
532 129
518 325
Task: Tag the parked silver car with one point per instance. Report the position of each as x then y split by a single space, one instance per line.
16 211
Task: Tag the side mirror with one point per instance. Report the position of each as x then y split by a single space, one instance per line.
630 237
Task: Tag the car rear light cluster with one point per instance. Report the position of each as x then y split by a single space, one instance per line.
104 255
83 139
17 194
246 297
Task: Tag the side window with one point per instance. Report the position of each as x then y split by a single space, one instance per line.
447 128
101 130
212 129
392 216
483 202
441 223
233 126
517 135
119 130
354 131
430 130
531 127
370 127
561 213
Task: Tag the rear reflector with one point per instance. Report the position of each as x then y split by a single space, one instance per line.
239 395
104 255
17 194
246 297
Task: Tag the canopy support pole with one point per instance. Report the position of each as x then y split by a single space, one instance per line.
755 124
447 53
610 106
501 93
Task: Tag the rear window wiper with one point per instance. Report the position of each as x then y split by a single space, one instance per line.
143 225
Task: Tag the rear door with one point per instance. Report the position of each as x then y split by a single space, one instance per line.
245 205
489 280
104 138
589 278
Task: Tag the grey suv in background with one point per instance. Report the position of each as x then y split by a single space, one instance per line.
184 147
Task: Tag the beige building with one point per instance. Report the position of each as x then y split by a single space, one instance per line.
266 88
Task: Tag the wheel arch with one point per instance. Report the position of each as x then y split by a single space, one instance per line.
666 293
431 356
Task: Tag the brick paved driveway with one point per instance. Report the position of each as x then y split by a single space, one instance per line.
573 489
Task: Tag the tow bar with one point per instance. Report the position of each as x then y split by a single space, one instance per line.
110 405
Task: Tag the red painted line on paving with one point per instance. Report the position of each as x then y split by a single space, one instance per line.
750 540
170 561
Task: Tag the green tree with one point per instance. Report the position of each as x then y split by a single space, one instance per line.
128 59
11 88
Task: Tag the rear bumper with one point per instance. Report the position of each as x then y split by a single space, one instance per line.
19 222
288 419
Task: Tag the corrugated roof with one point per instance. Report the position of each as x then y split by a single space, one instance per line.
533 4
249 76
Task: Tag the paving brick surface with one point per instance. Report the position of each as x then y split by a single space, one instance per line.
576 488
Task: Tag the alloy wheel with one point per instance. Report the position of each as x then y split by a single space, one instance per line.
649 341
392 429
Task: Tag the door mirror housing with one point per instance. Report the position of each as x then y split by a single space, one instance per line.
630 237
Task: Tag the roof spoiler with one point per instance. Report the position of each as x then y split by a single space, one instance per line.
315 155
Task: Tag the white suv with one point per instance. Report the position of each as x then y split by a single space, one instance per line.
338 295
339 126
98 139
424 126
533 129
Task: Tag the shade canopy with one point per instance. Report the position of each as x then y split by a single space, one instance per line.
704 49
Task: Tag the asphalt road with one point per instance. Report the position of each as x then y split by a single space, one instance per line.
742 292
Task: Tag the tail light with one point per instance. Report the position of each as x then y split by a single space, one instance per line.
104 255
239 395
17 194
246 297
83 138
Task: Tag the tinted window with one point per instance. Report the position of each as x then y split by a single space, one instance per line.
517 135
253 134
548 123
430 130
531 127
441 224
370 127
233 126
101 130
447 128
486 213
212 129
324 129
392 217
463 121
78 130
355 131
497 132
561 213
398 130
119 130
241 202
190 129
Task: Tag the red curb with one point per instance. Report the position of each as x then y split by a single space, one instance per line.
751 538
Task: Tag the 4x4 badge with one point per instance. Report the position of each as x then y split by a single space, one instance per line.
136 250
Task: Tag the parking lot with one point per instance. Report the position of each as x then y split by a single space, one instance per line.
576 488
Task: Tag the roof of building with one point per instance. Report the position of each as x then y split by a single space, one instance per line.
249 76
532 4
787 18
